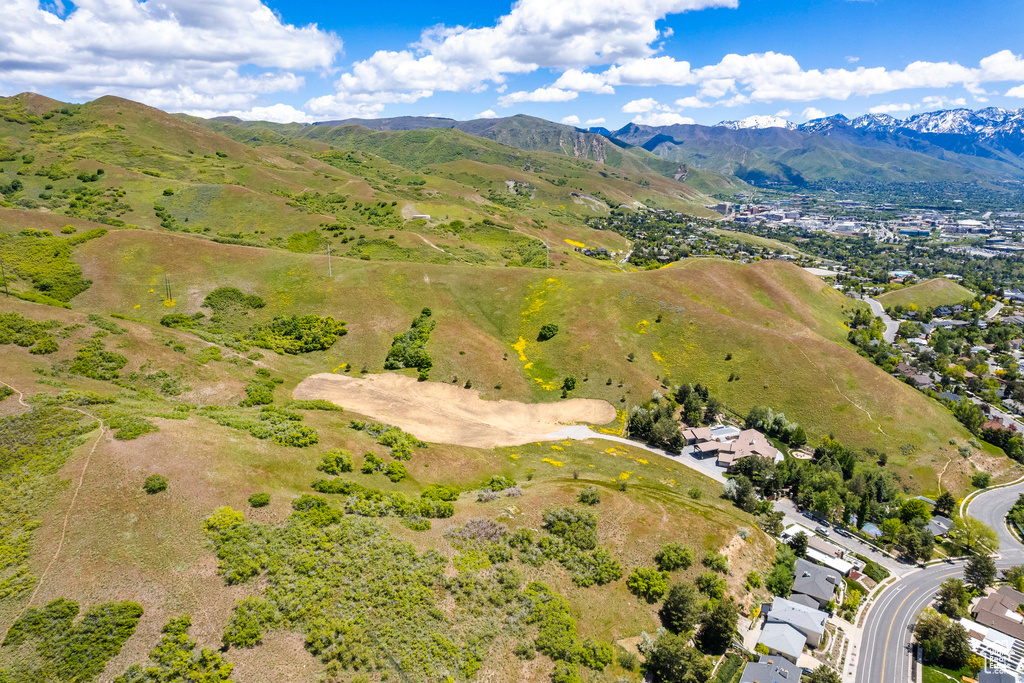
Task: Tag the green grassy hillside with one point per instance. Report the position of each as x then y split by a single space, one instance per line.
939 291
303 188
783 328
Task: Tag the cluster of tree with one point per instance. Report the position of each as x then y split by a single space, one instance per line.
942 640
764 419
408 350
654 421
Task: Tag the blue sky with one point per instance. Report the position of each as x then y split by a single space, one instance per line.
597 62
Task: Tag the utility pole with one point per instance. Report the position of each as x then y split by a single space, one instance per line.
329 260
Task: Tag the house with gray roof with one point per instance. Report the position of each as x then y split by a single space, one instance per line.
939 525
789 626
783 640
770 669
815 582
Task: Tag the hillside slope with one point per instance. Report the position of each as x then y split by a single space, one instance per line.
938 291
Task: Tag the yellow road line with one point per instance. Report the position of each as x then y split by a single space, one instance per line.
885 650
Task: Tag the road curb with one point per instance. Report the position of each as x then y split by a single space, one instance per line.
965 504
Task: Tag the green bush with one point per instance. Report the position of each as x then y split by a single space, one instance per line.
981 480
408 350
395 471
716 561
335 462
93 361
589 496
155 483
259 500
313 404
176 658
547 331
297 334
224 299
249 621
647 584
74 651
673 556
440 492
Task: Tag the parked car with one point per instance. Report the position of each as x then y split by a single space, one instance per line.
821 530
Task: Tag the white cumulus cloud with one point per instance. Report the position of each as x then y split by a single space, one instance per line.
892 108
662 118
692 103
641 105
175 54
813 113
571 120
487 114
538 95
595 122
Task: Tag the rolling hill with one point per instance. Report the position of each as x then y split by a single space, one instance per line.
172 282
938 291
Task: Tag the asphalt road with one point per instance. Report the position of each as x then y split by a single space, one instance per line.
891 326
885 652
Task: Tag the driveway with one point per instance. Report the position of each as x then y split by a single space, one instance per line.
705 466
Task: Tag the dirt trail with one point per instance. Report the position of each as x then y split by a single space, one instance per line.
445 413
840 392
74 497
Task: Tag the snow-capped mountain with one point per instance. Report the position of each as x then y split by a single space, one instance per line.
982 124
758 121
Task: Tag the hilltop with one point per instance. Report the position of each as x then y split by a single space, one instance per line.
938 291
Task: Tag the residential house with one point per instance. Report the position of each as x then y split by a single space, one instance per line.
749 442
789 626
939 525
768 669
999 611
695 435
816 582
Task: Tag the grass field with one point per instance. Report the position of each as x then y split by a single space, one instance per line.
784 328
122 544
928 294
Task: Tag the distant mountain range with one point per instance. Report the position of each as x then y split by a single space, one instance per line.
951 145
957 145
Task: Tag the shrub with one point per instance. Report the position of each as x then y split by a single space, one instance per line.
695 493
716 561
673 556
590 496
224 299
547 331
73 651
259 500
395 471
628 660
297 334
155 483
93 361
440 492
711 585
249 621
335 462
647 584
981 480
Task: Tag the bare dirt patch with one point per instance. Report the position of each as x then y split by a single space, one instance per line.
445 413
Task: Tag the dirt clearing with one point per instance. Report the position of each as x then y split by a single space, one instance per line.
446 413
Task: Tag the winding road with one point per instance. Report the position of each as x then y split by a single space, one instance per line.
891 326
885 652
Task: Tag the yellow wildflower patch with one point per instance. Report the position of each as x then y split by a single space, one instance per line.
555 463
574 243
170 302
557 448
513 456
641 327
657 356
624 475
520 348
